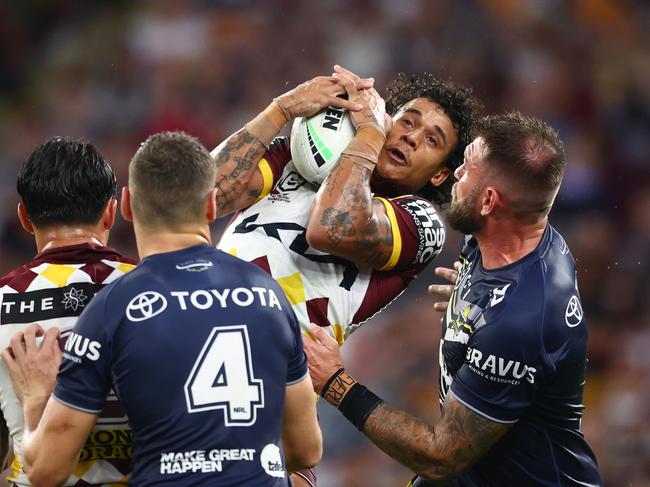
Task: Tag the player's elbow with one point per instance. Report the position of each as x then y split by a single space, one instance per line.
439 473
305 456
41 470
44 474
318 237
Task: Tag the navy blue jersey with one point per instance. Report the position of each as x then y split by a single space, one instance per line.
513 349
200 347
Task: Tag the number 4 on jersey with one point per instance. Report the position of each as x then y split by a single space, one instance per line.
222 377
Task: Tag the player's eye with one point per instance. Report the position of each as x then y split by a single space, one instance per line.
407 122
432 140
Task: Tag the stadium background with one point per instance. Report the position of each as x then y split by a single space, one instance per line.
115 72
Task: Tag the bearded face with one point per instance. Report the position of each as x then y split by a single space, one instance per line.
463 214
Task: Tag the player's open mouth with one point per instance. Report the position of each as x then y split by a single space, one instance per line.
398 156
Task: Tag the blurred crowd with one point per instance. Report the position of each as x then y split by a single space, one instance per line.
115 72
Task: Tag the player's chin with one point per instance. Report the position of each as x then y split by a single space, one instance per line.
391 170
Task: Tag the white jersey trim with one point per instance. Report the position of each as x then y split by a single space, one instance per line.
298 380
486 416
78 408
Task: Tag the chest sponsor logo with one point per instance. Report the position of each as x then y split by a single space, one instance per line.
74 299
203 461
573 314
146 305
78 347
46 304
498 369
431 231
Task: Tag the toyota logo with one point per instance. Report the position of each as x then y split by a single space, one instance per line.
573 313
146 305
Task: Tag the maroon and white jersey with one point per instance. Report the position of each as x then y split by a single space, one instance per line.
52 290
325 289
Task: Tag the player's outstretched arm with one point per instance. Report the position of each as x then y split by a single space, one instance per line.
437 453
301 436
345 220
239 181
52 450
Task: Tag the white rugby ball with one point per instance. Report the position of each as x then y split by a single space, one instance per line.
317 142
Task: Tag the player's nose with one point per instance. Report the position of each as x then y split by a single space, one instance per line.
410 138
460 170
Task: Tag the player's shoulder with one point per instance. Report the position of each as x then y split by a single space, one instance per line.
417 227
414 203
533 301
12 276
280 145
422 212
278 154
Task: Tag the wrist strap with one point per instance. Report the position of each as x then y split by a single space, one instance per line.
355 401
362 153
358 404
360 160
372 136
268 124
337 387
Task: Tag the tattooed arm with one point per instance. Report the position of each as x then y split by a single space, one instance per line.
436 453
345 220
239 181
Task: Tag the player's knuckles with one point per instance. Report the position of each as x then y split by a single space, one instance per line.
345 81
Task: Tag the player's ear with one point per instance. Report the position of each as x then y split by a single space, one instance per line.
108 218
211 209
489 200
125 204
440 176
25 222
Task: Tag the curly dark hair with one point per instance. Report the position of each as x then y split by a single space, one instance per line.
459 104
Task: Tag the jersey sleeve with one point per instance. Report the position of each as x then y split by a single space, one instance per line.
503 366
418 232
273 162
297 369
84 377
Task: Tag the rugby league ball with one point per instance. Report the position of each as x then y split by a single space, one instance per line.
317 142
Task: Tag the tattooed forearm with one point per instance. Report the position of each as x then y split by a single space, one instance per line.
439 453
338 224
352 224
236 159
238 143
